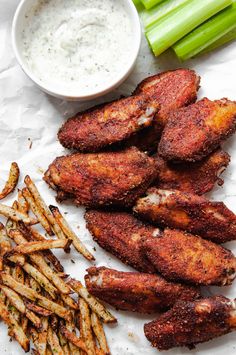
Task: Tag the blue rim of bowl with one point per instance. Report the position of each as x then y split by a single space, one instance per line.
93 95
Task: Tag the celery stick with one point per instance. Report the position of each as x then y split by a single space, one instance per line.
138 5
150 3
182 21
149 17
206 34
231 36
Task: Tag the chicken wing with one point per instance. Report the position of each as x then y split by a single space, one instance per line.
195 131
136 292
109 178
112 123
193 213
192 322
197 178
120 233
171 89
96 128
180 256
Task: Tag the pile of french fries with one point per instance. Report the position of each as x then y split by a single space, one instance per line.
38 301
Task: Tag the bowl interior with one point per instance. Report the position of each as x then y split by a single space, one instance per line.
18 26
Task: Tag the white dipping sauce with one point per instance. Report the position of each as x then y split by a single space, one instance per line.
78 44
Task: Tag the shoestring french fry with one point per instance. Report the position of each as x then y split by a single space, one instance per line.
11 182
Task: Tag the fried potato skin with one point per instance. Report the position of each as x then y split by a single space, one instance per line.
102 126
193 132
197 178
171 90
180 256
134 291
185 211
190 323
108 178
120 233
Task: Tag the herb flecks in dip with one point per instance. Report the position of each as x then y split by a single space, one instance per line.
78 44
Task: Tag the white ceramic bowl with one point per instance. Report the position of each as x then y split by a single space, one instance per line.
52 89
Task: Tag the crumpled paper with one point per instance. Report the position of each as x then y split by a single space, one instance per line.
29 121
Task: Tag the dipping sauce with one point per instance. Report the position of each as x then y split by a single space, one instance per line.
78 44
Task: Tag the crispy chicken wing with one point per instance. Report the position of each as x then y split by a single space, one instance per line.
91 130
186 211
120 233
171 89
192 322
197 178
180 256
136 292
109 178
195 131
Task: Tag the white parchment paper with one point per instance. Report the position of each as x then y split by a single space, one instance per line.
29 121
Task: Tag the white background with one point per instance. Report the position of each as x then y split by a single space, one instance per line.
28 116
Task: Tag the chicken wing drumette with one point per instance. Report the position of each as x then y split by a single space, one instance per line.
120 233
180 256
197 178
101 126
186 211
136 292
192 322
109 178
193 132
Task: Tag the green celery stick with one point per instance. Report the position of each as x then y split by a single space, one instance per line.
230 36
206 34
138 5
150 3
149 17
182 21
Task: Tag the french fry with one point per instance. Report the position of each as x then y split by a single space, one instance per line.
16 215
49 351
54 343
85 327
16 259
35 336
33 235
5 244
44 208
69 302
39 261
41 279
23 205
32 247
73 338
37 212
93 303
79 246
18 303
34 296
14 327
37 309
100 334
70 326
11 182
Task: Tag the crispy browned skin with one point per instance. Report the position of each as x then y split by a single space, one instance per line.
107 124
186 211
193 132
191 322
120 233
171 89
136 292
180 256
109 178
197 178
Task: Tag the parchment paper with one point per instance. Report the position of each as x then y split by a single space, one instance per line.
29 121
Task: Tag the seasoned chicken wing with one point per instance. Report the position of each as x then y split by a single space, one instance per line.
109 178
195 131
136 292
120 233
197 178
186 211
192 322
180 256
171 89
91 130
